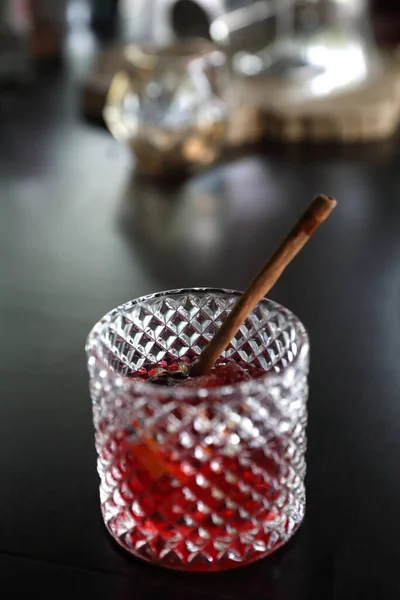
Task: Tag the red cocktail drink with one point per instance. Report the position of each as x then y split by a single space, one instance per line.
208 474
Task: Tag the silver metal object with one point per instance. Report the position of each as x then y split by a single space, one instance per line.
320 47
169 16
328 42
250 26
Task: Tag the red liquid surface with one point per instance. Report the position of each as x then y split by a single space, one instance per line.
197 501
225 372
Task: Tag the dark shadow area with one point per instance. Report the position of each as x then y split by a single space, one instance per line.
188 19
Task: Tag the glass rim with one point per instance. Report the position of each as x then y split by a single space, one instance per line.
147 54
270 378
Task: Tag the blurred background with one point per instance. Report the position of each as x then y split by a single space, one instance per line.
300 47
39 34
168 121
118 97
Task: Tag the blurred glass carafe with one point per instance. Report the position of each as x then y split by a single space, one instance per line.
319 46
167 103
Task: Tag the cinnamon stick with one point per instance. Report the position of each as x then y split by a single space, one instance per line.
316 213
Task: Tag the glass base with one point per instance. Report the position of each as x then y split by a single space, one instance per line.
199 564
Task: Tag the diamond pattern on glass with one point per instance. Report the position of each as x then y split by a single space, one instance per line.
203 482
